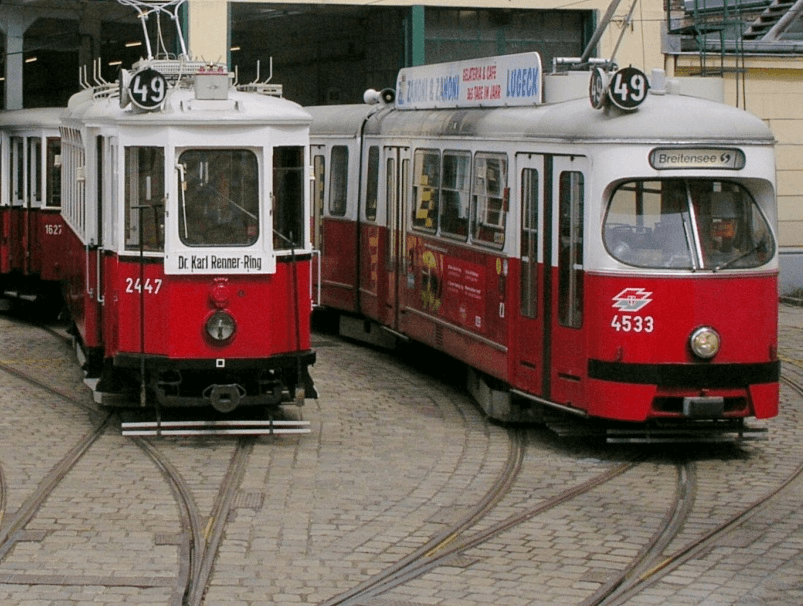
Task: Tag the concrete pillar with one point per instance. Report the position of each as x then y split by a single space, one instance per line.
89 28
415 26
209 30
14 25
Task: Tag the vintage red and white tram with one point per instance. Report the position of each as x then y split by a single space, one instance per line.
32 230
188 255
618 263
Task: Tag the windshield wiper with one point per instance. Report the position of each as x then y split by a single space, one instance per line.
181 170
760 247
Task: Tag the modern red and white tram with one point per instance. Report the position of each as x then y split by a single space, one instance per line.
612 257
30 200
188 255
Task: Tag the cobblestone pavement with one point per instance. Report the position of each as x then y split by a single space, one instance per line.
395 456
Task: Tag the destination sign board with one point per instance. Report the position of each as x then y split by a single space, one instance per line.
705 158
220 261
488 82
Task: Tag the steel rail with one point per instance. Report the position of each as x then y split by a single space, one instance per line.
423 565
192 543
401 570
673 522
709 540
218 519
9 534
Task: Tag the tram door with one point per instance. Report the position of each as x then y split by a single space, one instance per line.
551 361
530 333
396 162
566 339
318 153
33 200
18 214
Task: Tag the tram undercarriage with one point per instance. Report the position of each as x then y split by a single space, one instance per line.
703 423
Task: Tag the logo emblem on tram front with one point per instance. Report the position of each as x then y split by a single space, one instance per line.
632 300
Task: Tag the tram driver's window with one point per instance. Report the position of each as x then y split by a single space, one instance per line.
490 195
218 197
145 198
426 186
288 197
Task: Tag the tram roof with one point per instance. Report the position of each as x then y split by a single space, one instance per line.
670 117
181 107
39 117
340 120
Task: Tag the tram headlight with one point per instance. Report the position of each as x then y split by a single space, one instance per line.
220 326
705 342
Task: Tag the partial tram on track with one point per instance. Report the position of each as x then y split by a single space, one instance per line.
32 237
597 242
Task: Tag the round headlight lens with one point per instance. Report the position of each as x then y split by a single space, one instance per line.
220 326
705 342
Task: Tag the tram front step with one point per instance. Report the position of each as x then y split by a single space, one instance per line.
703 433
214 428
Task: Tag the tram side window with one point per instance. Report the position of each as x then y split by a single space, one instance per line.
455 196
426 184
34 166
53 176
17 169
74 185
570 250
144 186
288 197
490 193
372 183
338 181
318 187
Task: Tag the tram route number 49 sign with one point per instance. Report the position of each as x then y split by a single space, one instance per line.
147 89
626 88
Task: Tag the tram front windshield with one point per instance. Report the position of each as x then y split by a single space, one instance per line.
689 224
218 197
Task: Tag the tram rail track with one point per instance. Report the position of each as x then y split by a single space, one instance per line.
199 546
201 539
449 542
11 526
29 508
400 572
201 536
667 564
676 516
438 559
646 568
